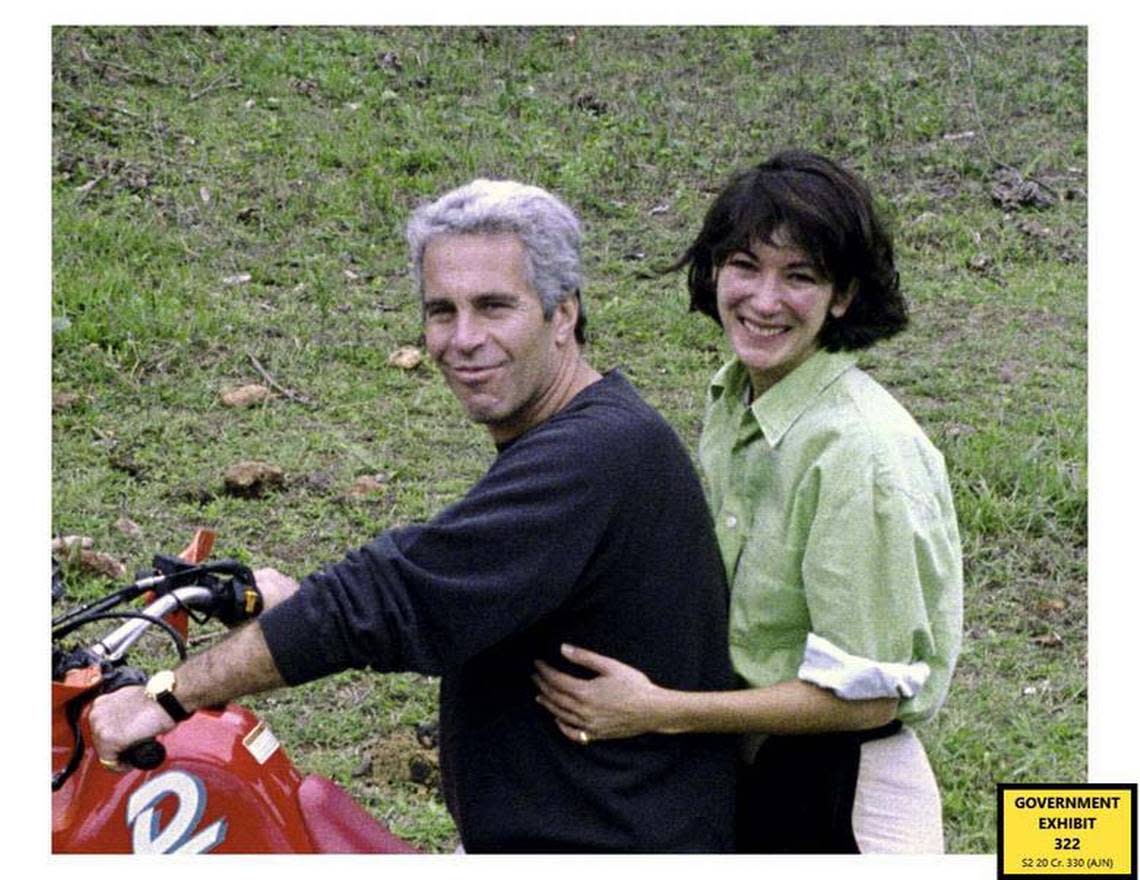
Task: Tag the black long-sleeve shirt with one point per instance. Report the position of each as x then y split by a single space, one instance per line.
591 528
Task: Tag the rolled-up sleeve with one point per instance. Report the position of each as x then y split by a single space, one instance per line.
882 577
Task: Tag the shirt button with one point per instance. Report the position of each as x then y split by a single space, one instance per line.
730 521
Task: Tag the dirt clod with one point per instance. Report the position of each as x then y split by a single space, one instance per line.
400 758
251 479
1011 192
406 357
246 395
62 400
367 486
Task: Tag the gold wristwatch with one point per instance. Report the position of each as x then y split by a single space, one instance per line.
160 688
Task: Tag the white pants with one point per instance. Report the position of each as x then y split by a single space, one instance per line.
897 805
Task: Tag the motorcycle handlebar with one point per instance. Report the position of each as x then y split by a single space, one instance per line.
144 755
113 646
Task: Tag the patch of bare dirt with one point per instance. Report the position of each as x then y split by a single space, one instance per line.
405 756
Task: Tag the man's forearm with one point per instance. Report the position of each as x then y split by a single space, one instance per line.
240 665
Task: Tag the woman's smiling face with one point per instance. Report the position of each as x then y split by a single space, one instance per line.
773 301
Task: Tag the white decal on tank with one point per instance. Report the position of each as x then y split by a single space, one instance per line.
150 836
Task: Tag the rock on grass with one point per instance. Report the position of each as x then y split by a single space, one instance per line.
252 479
406 358
246 395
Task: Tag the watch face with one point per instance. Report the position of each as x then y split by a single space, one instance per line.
160 688
160 682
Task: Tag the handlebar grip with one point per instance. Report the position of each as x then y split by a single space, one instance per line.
145 755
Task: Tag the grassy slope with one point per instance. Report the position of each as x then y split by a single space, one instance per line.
293 156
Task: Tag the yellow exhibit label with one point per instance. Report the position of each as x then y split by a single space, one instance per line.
1079 830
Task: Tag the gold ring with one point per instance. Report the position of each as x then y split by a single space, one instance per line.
110 765
583 737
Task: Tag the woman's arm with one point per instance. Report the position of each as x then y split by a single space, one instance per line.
621 702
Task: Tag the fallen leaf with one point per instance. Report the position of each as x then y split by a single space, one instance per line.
1052 606
980 263
246 395
1011 192
1034 229
1049 640
128 527
958 429
369 484
65 543
101 563
407 357
61 400
240 278
251 479
204 195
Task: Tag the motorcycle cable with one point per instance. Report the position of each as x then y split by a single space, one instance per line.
172 573
179 642
58 779
109 601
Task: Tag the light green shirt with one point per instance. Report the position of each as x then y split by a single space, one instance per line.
834 517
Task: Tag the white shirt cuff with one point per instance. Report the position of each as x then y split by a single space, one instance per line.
857 678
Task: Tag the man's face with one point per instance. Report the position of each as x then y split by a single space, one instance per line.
484 327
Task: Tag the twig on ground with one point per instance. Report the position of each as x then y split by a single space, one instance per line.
85 190
292 395
219 83
122 68
205 638
978 121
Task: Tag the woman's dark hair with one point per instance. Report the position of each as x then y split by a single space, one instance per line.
803 200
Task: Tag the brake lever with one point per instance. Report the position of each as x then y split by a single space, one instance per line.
237 599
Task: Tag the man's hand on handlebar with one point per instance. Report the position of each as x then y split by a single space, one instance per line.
122 718
275 587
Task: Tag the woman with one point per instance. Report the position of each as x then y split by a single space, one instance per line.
836 524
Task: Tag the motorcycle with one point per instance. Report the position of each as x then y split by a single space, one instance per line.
219 781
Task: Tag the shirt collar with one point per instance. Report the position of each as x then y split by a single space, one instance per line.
778 408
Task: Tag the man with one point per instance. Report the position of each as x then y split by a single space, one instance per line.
590 527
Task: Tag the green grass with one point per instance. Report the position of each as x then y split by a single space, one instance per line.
184 157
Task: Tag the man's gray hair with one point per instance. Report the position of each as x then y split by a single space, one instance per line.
548 229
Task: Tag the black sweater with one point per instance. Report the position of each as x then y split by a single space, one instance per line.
591 528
